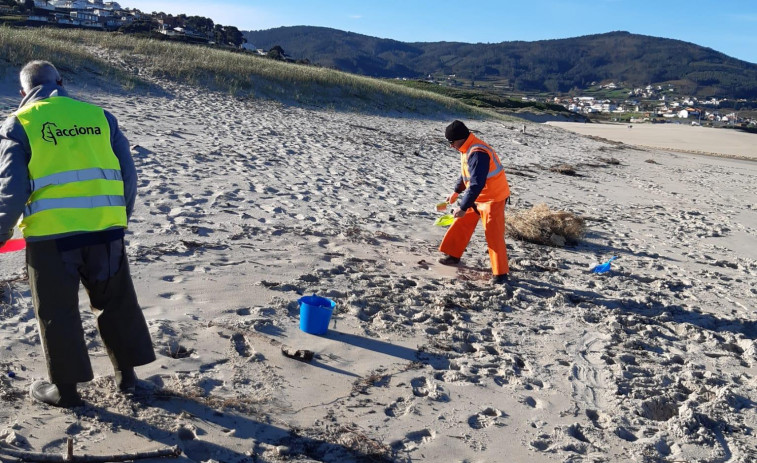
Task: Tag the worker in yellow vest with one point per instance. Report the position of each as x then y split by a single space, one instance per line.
67 168
486 191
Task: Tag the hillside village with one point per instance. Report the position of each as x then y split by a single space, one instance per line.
111 16
655 104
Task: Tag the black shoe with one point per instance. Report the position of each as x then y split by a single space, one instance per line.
449 260
60 395
126 380
500 279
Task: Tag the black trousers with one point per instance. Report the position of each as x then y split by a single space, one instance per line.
54 277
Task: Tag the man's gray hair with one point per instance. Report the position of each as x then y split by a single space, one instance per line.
38 72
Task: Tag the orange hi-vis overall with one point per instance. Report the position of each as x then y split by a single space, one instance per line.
491 207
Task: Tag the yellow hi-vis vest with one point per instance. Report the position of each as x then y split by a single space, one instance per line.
76 183
496 187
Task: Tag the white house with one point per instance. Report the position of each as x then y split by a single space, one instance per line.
74 4
42 5
84 16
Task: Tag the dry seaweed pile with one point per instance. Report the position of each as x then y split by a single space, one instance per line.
541 225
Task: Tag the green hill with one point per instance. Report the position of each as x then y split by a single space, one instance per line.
553 66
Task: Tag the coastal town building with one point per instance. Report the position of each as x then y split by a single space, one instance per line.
109 15
649 104
96 14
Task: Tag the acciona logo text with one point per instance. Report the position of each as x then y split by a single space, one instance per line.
51 132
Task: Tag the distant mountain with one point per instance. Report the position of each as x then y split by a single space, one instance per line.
542 66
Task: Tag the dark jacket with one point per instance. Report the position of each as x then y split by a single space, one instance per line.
15 188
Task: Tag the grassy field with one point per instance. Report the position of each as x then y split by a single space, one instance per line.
124 59
12 19
482 99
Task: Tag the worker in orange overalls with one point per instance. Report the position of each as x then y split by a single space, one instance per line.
486 191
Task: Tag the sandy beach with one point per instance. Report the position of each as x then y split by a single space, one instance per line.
247 205
681 137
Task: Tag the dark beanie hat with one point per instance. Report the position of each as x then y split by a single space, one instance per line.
456 131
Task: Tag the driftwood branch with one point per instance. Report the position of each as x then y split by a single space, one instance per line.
69 456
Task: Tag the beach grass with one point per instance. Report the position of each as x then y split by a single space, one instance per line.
131 61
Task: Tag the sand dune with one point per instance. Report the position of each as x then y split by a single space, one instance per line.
245 206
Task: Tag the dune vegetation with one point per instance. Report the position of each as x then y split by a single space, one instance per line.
133 61
541 225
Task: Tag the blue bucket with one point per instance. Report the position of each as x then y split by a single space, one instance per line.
315 314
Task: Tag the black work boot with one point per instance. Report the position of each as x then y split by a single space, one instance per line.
449 260
126 380
500 279
58 395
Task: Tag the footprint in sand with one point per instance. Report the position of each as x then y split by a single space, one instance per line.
420 387
399 408
625 434
542 443
531 402
413 439
425 387
240 345
659 408
487 418
177 351
175 297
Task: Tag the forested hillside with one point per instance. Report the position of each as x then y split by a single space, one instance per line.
542 66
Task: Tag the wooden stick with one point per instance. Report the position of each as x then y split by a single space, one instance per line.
69 456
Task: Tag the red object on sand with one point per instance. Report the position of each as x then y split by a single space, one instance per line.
13 245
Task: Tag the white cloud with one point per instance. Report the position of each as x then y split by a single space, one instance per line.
356 16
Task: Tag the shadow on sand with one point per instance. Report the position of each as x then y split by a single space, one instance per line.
656 308
259 435
404 353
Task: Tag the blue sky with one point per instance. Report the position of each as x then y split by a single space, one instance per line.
728 26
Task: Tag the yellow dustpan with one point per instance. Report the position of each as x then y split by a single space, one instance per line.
444 221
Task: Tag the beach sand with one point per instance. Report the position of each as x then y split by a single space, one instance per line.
247 205
681 137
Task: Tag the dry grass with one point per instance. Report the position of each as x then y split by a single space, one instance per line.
354 439
541 225
124 59
195 393
564 169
